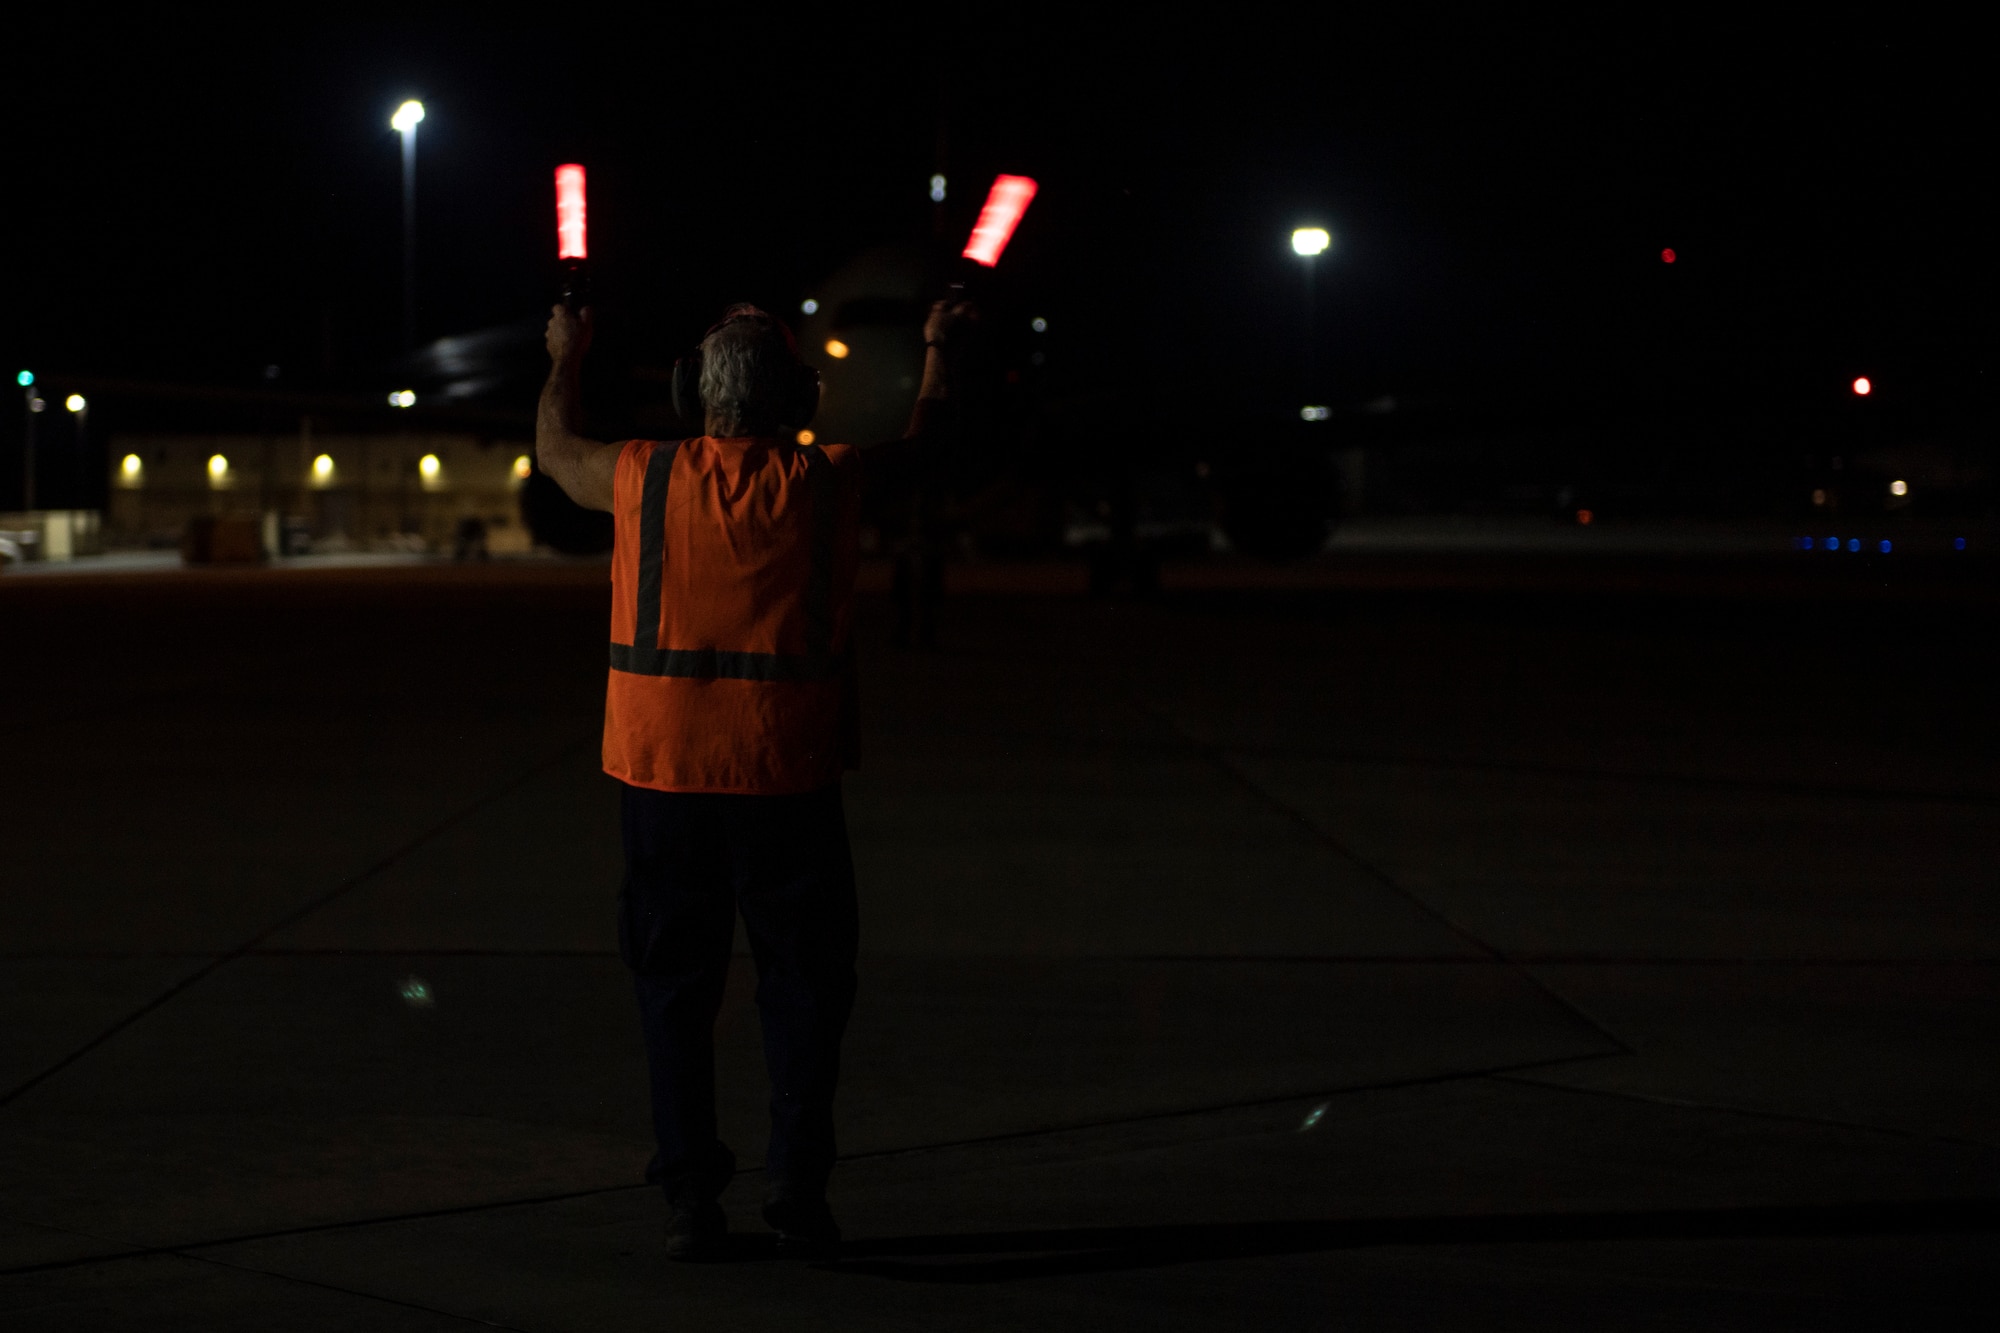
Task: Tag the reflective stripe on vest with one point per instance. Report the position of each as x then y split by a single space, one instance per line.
642 656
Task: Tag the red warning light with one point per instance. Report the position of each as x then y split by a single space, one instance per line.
569 212
1863 387
1667 256
1584 517
1005 203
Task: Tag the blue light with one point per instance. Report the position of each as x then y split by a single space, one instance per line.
1805 543
1883 547
1833 543
1853 543
1958 543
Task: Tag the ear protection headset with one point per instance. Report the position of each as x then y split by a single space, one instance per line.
802 395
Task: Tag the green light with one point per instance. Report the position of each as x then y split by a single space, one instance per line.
25 378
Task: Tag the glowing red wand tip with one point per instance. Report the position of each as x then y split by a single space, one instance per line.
569 212
1005 203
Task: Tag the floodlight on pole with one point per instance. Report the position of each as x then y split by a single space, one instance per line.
1308 243
32 401
79 410
404 122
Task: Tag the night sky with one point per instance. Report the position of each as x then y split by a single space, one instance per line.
197 200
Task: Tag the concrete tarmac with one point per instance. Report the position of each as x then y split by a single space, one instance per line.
1369 956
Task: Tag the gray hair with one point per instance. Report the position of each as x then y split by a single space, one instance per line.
749 371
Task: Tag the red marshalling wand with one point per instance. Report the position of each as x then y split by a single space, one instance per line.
571 249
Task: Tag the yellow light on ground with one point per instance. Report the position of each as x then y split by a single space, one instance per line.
835 348
806 437
323 468
428 465
406 117
1310 241
523 466
218 466
130 467
403 398
75 402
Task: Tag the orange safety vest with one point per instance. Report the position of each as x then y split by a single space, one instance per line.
732 607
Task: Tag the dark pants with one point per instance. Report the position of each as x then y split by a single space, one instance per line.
692 861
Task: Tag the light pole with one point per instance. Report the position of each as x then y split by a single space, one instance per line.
1308 243
405 123
79 407
33 403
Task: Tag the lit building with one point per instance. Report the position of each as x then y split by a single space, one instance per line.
390 491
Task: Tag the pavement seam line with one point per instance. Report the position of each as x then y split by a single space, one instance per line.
1958 796
186 1248
345 1291
1727 1108
1218 758
1383 1085
295 916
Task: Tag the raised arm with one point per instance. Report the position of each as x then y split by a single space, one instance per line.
927 415
584 468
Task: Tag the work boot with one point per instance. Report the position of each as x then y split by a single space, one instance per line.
805 1226
696 1229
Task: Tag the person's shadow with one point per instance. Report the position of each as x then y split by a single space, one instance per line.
1011 1255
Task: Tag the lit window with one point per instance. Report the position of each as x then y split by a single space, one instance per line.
323 468
428 465
131 468
836 349
218 466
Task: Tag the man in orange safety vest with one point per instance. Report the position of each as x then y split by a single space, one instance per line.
728 720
